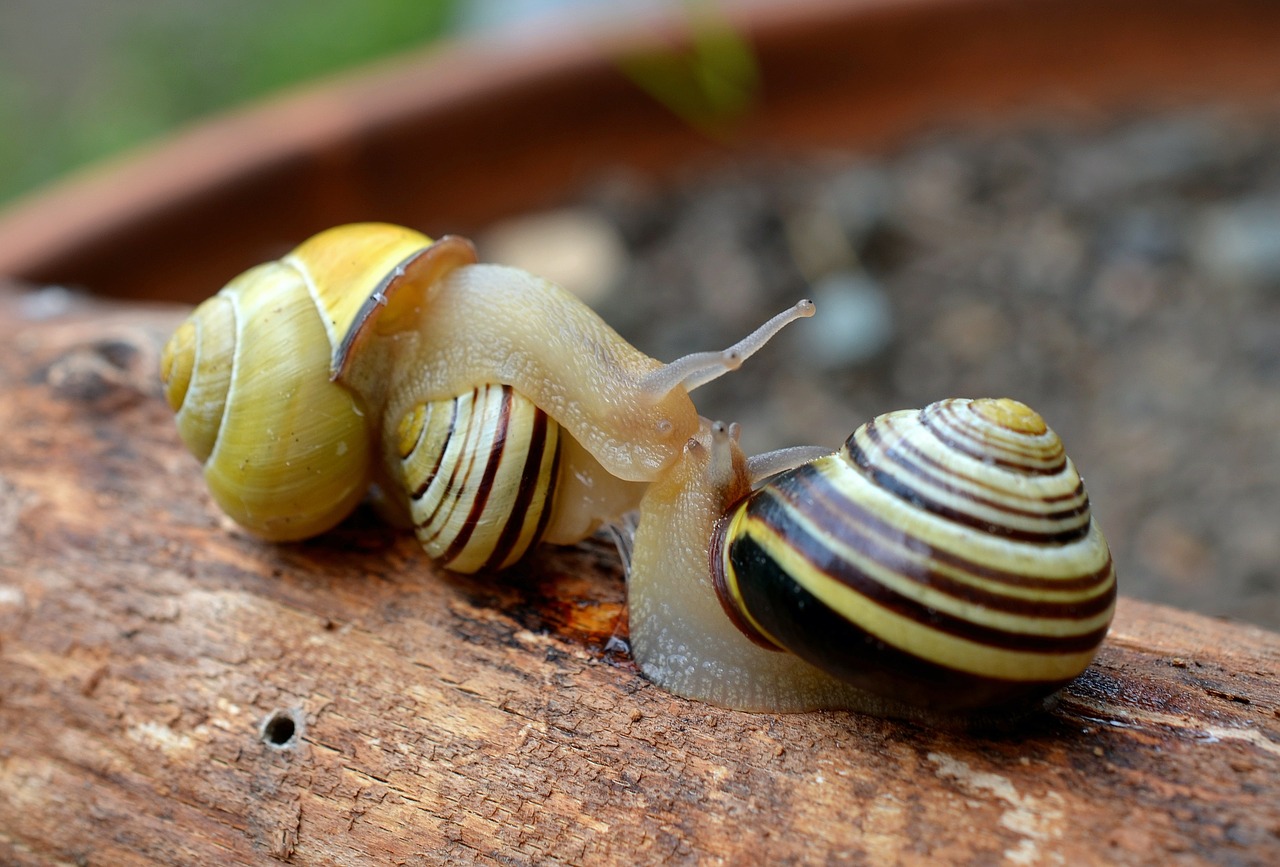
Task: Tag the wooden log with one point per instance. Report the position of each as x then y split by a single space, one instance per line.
174 691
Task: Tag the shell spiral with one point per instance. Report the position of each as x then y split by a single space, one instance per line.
286 450
945 558
480 473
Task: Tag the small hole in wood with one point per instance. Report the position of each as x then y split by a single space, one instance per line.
281 729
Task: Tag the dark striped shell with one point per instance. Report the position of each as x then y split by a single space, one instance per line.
945 558
480 473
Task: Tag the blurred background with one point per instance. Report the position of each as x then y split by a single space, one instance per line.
1119 270
81 79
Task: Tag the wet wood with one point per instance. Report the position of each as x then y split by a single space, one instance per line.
173 691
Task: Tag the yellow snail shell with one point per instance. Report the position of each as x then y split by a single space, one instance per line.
286 451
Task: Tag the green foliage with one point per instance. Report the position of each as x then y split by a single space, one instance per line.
176 62
710 84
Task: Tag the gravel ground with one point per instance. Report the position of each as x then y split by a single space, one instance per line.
1124 281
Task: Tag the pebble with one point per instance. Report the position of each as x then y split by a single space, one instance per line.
1149 234
1239 243
854 322
48 302
577 248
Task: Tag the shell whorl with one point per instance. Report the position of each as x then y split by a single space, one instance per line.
480 473
944 557
285 450
249 376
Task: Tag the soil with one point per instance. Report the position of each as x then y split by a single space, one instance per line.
1124 280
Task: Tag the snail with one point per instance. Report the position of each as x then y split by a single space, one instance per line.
943 564
488 406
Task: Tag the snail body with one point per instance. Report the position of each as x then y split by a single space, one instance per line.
943 562
383 330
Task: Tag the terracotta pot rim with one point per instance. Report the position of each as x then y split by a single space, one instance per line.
328 152
438 78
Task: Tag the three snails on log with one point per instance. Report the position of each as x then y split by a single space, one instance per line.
942 565
490 407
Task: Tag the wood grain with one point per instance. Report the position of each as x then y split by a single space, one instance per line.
146 644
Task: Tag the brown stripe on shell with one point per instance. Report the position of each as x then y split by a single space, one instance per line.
466 462
417 493
549 502
530 480
891 484
1025 450
852 654
975 441
819 556
724 578
972 567
906 455
906 446
853 524
944 422
960 416
490 471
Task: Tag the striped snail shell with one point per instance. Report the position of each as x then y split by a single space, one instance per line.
480 471
944 561
490 406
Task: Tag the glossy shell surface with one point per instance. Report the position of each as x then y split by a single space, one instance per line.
480 472
286 450
944 557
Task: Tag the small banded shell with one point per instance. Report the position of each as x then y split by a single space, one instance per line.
944 558
480 472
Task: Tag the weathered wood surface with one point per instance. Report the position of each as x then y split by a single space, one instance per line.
144 643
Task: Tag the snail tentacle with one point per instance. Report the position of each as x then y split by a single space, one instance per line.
762 466
697 369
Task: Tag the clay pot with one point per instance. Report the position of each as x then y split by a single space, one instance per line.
451 139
